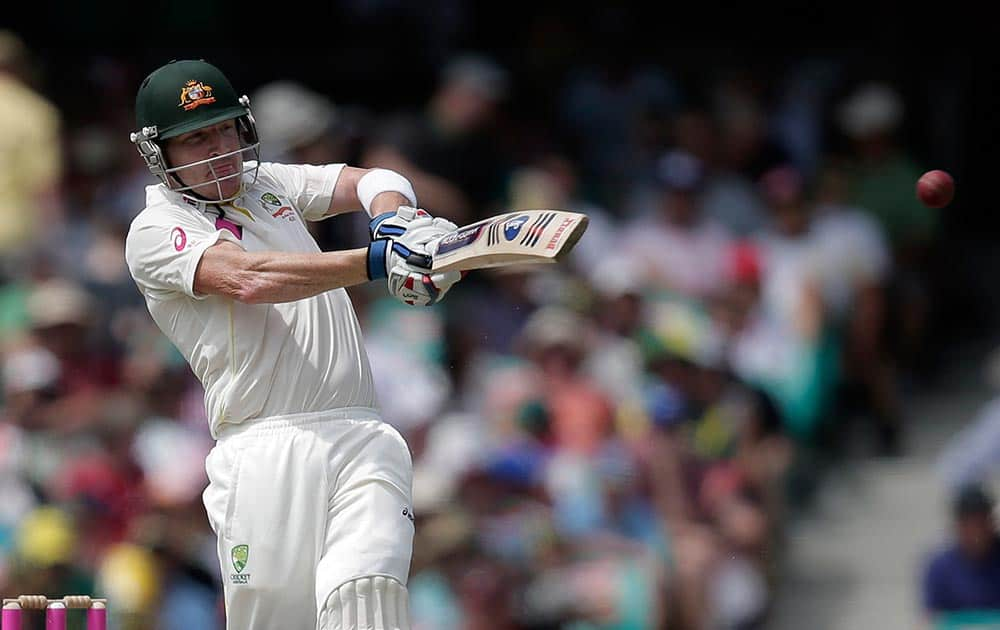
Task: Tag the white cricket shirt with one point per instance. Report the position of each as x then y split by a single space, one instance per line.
254 360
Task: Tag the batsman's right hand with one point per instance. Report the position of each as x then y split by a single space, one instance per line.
405 262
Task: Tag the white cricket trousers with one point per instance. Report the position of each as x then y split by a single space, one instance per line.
303 504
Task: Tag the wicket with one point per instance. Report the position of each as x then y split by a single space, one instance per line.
55 611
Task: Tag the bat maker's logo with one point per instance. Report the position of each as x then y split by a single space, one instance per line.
513 227
559 232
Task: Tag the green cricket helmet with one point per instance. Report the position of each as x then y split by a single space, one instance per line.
183 96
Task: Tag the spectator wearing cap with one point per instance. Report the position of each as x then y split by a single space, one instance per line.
678 249
71 376
579 412
767 352
62 316
616 360
965 576
297 124
883 173
301 126
881 176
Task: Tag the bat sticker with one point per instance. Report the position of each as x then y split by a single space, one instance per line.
460 239
535 231
513 227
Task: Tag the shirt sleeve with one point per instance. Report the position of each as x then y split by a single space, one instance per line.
309 187
933 587
163 256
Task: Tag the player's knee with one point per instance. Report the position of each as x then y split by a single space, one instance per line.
367 603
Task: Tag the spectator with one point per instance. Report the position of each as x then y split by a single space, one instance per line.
881 180
612 112
580 412
858 267
966 574
825 271
782 354
301 126
30 154
452 151
730 196
679 249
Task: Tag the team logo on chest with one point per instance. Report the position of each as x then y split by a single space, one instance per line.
195 94
270 199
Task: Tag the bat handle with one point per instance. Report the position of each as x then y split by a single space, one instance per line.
420 260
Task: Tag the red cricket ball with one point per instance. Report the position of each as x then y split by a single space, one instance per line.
935 189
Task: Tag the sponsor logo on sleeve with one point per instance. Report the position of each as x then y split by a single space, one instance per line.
179 238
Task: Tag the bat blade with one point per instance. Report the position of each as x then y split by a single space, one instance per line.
513 238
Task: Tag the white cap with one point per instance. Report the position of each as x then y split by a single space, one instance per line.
29 369
872 108
478 73
555 326
289 115
616 276
56 302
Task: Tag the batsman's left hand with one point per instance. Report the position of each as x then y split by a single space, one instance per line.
403 258
417 286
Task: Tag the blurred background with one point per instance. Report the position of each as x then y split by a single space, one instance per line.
759 395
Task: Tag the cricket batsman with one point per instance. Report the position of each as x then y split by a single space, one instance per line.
309 491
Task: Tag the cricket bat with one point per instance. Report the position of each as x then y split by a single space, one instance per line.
520 237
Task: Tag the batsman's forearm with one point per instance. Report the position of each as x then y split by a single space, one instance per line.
274 277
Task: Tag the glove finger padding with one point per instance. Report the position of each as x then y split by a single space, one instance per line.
395 224
414 287
420 232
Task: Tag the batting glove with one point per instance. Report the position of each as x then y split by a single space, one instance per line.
404 260
395 224
405 233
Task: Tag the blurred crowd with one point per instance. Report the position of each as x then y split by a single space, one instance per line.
615 442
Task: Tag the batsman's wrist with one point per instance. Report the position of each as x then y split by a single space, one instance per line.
376 259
